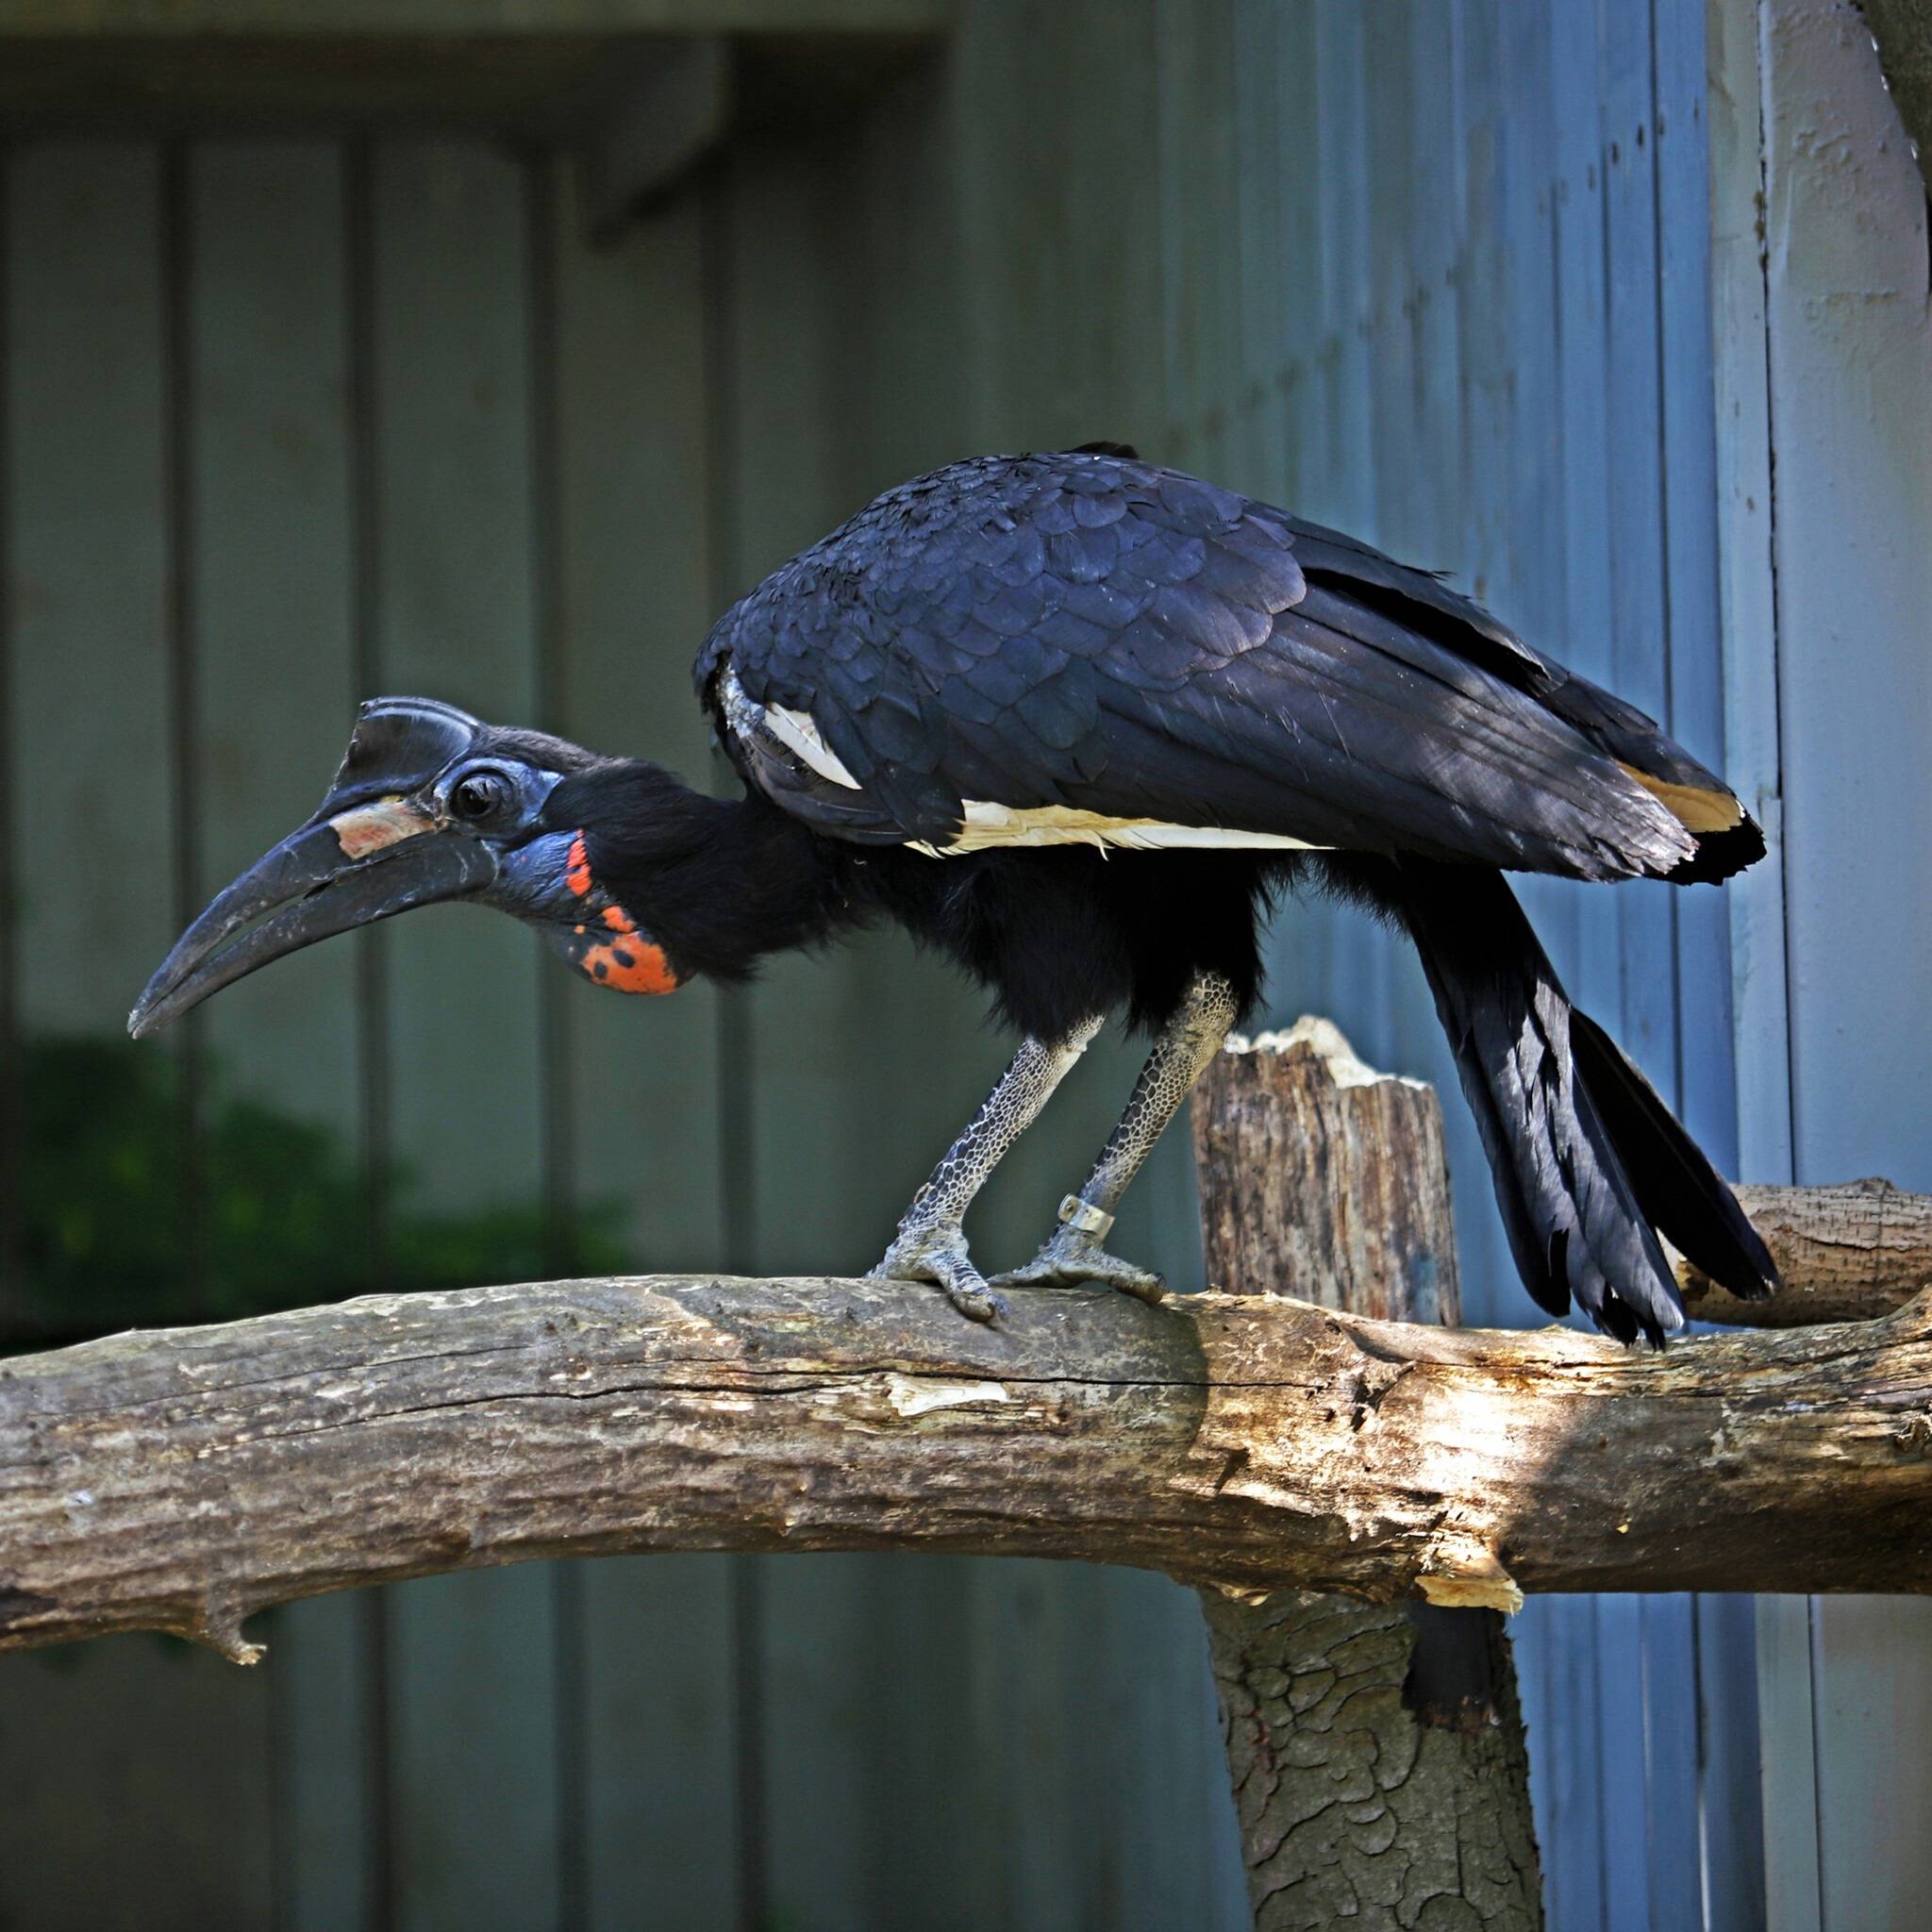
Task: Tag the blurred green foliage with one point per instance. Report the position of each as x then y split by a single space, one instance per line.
274 1212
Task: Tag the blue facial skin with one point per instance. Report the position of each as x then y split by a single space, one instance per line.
532 882
500 802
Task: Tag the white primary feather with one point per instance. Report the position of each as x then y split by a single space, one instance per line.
989 826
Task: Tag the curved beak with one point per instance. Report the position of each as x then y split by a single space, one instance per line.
331 877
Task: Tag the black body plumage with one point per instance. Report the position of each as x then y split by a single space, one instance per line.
1087 632
1076 721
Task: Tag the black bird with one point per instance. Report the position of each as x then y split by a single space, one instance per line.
1074 719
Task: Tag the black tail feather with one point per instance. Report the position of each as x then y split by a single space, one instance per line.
1689 1202
1587 1162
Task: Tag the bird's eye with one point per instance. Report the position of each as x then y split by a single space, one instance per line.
478 795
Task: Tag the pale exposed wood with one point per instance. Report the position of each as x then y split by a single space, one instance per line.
1323 1179
1846 1253
181 1479
1377 1753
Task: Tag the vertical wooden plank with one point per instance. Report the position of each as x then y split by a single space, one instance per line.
1531 591
1199 212
107 1829
1619 1660
1348 499
89 616
457 622
326 1734
1556 1637
1788 1692
1718 1658
1786 1813
1255 454
91 781
1477 364
274 695
1729 1802
1022 1625
1851 402
1638 609
1581 323
1395 237
474 1771
1660 1755
634 598
92 428
13 1289
1706 1089
1568 1755
1296 942
905 184
1873 1666
1747 586
1672 1713
86 409
1352 979
656 1700
813 1195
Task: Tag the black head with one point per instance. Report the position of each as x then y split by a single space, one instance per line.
430 804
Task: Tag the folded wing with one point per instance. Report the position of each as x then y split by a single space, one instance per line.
1033 649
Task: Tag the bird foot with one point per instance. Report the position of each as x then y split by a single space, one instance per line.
1070 1258
938 1255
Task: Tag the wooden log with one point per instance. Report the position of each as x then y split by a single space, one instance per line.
1846 1253
1376 1751
180 1480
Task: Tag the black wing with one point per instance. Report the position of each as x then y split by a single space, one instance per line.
1088 632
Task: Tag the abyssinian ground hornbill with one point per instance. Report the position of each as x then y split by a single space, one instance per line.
1076 720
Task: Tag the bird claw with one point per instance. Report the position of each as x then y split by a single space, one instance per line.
940 1258
1071 1258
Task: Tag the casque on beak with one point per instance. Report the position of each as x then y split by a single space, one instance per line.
376 848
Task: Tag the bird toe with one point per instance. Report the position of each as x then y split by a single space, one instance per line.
1063 1263
940 1259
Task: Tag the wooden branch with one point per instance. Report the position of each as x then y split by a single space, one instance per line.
1846 1253
181 1479
1376 1751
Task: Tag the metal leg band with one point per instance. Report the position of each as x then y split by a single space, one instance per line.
1083 1217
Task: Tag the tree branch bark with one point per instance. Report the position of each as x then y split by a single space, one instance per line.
1847 1253
182 1479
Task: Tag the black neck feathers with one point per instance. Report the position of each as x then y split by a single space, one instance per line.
719 882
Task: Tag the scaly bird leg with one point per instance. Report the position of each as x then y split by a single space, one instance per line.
930 1245
1073 1253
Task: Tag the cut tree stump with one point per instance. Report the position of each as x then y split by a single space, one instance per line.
1380 1773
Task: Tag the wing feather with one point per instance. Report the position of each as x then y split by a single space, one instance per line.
1086 632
